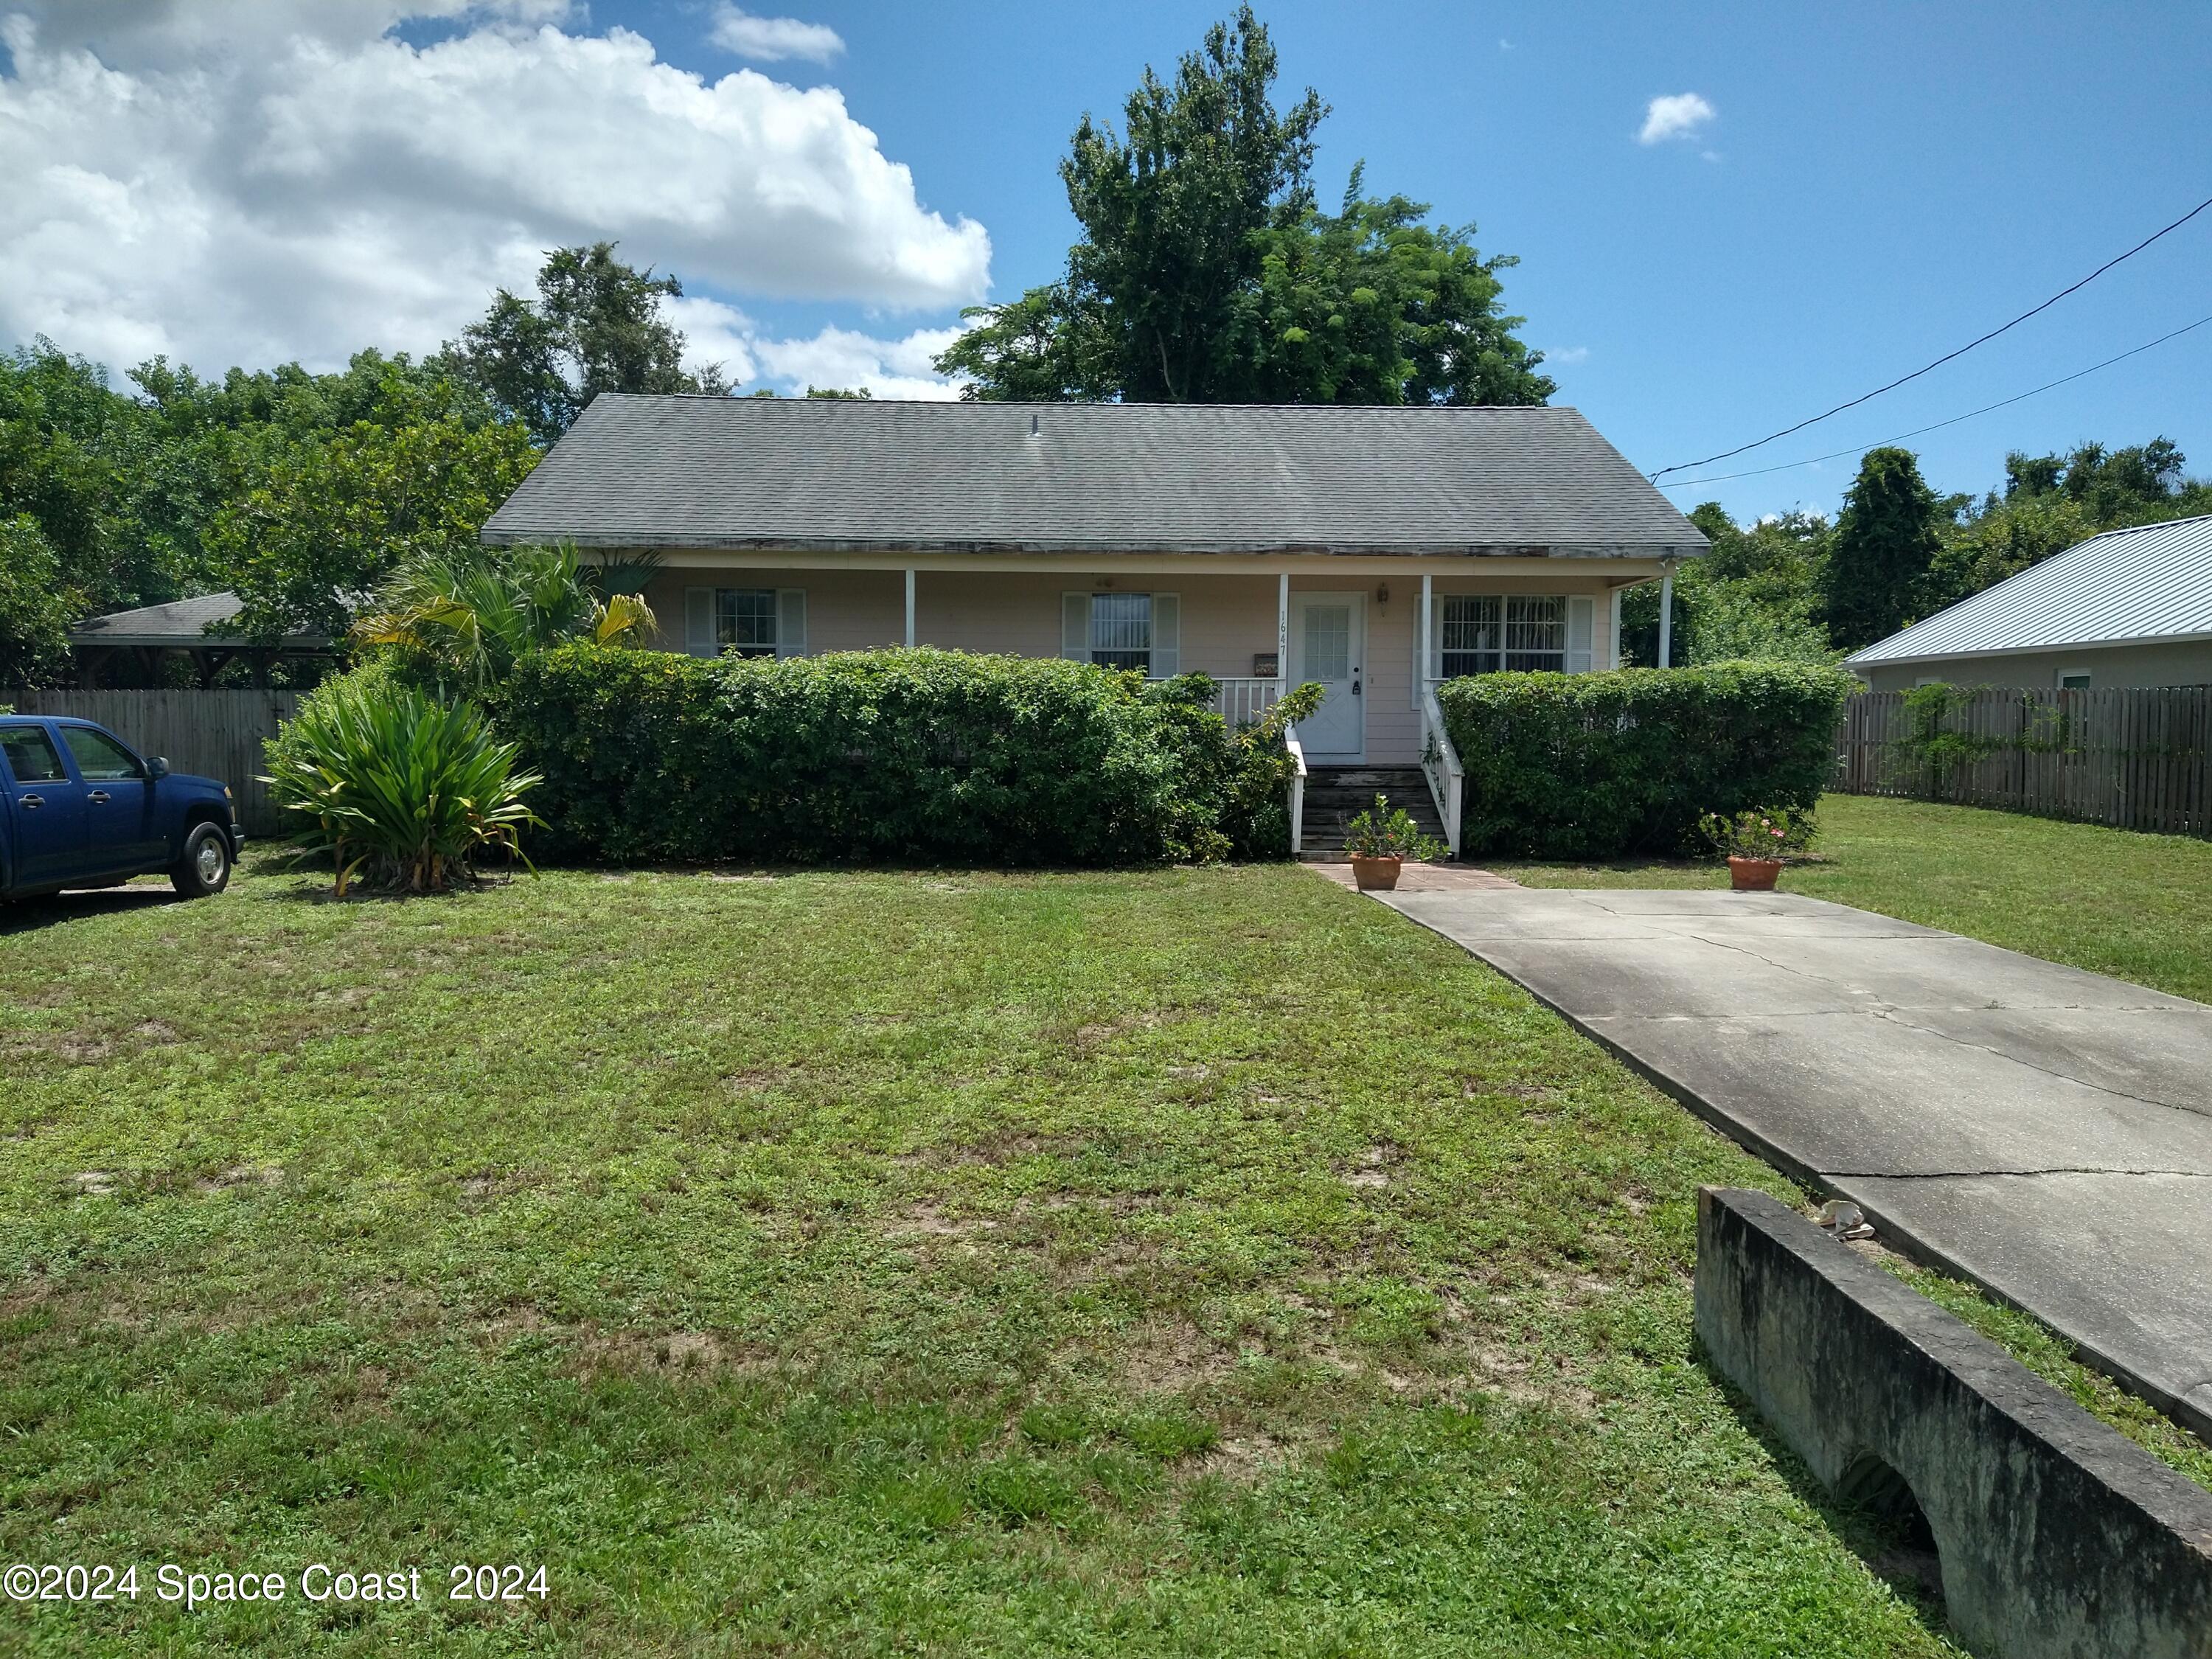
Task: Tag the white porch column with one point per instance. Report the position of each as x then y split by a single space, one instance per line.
910 607
1283 633
1667 618
1613 651
1428 622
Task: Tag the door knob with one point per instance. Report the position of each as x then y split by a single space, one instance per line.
32 801
99 797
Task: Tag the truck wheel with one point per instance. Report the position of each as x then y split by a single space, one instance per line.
205 866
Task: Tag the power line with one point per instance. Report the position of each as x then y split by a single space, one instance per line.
1814 419
1858 449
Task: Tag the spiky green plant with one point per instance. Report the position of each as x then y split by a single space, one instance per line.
396 787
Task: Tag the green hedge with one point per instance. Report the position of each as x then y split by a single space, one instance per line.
934 756
1596 765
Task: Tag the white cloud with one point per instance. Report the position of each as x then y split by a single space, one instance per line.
836 358
1678 115
292 180
840 358
1566 356
772 39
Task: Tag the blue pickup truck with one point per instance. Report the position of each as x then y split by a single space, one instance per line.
80 808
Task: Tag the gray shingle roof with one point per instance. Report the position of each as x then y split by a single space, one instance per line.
180 622
823 475
2154 582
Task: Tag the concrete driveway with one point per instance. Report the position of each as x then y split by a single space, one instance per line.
2043 1131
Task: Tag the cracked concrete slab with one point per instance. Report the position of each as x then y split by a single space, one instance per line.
1855 1091
2044 1130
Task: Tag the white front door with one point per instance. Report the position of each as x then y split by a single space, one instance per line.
1328 644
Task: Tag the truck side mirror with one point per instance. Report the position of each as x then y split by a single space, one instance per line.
157 768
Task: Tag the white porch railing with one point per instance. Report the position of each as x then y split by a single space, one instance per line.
1440 765
1241 701
1298 789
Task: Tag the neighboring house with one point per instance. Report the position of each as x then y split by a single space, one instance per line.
1373 550
128 647
2129 607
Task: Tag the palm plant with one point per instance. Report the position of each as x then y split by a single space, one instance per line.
465 617
397 785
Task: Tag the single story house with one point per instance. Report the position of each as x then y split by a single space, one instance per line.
1375 550
2128 608
127 647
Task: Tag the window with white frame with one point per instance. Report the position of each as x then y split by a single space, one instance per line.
1483 633
746 621
1136 631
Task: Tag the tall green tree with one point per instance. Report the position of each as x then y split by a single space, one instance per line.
1886 539
324 521
33 612
2050 502
596 326
1756 594
1208 273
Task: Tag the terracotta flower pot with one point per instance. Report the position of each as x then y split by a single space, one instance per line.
1753 875
1373 873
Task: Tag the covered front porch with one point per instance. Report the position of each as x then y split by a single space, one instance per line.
1378 634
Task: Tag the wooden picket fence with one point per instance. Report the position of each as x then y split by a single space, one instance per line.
214 734
2133 758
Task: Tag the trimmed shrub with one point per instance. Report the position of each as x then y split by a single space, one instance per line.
1596 765
922 755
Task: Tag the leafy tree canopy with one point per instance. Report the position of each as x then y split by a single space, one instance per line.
595 326
34 614
321 523
1886 539
1208 273
2049 503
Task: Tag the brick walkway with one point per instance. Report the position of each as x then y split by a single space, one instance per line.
1424 878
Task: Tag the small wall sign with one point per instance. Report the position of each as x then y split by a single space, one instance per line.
1266 665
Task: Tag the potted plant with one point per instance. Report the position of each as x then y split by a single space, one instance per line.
1756 842
1380 841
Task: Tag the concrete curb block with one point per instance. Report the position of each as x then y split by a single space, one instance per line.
2057 1538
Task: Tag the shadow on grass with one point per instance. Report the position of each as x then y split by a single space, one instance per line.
1892 1542
29 915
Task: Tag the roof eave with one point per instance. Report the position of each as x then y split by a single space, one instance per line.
496 536
1868 659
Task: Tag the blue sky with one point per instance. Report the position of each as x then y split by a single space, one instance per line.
1874 186
1890 182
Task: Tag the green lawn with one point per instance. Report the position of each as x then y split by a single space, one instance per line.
1176 1262
2137 907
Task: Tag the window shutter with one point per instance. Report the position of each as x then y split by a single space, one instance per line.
1581 618
1435 668
1167 635
790 622
699 622
1075 627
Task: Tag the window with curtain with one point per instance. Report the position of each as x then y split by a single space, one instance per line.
744 620
1121 631
1483 633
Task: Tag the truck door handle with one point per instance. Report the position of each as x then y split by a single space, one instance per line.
99 798
32 802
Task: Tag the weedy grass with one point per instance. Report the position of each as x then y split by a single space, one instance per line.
1179 1262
